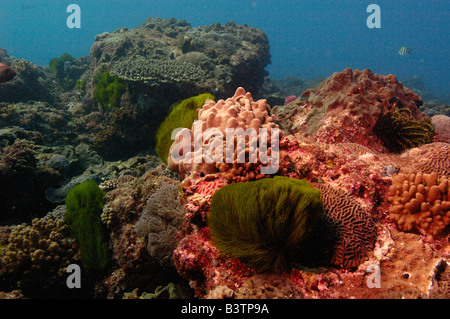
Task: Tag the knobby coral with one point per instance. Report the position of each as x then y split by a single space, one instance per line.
420 202
37 255
206 149
265 222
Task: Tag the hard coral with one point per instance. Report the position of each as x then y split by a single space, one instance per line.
352 228
434 157
264 223
238 112
442 128
37 255
420 202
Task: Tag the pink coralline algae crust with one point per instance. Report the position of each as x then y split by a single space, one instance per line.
289 99
345 107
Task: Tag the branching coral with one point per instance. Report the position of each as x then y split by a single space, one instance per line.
420 202
160 221
265 222
400 131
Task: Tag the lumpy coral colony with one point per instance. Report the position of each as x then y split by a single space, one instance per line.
344 193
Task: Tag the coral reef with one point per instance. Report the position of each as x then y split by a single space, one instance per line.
162 56
23 182
30 82
345 107
420 202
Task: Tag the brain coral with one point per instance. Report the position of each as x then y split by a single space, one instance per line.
442 127
237 112
354 227
420 202
434 157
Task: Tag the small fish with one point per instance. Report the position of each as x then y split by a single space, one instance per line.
404 51
6 73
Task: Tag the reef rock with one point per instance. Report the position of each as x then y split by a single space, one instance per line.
169 56
346 108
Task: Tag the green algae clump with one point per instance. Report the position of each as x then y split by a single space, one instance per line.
108 90
264 223
183 115
84 205
56 65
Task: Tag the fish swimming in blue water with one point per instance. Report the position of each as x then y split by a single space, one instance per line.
404 51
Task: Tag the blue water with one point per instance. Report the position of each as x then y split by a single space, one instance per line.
308 38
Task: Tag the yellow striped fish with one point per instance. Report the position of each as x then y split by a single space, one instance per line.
404 51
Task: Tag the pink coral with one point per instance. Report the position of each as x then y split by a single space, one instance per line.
203 149
442 128
289 99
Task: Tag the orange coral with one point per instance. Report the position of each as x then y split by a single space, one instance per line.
420 201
